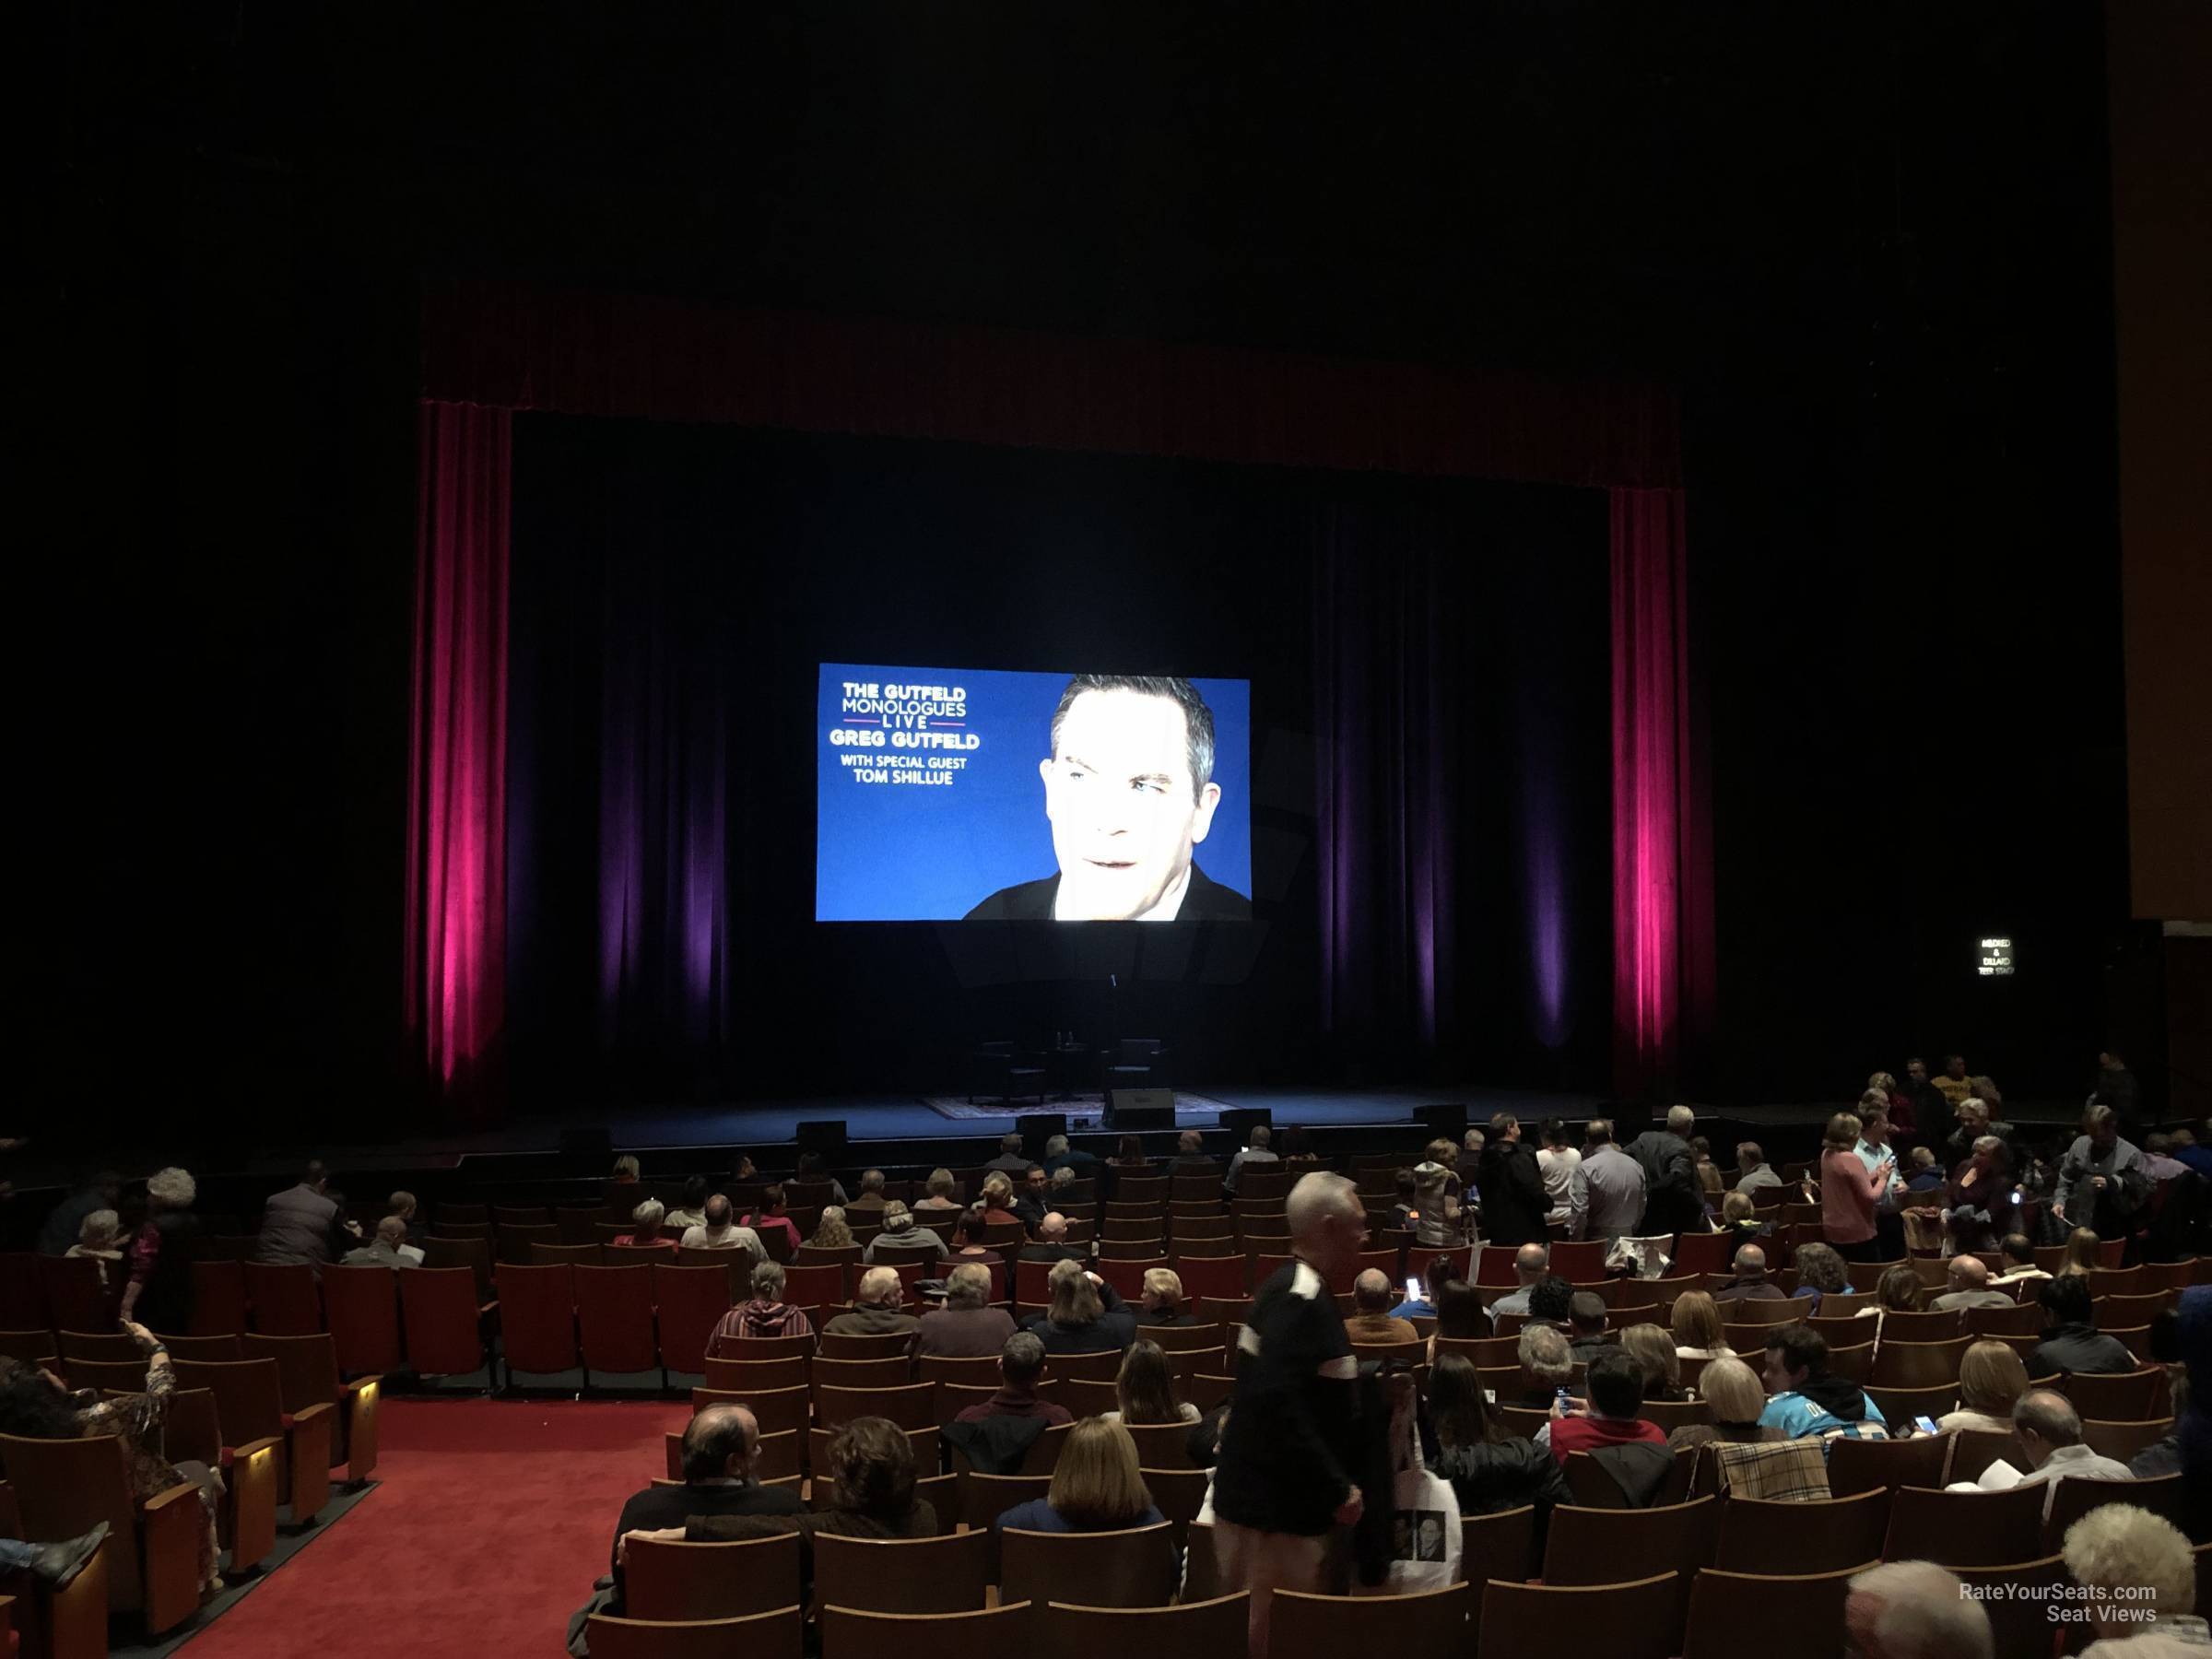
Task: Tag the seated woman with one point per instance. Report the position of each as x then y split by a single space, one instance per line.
766 1314
1739 1220
647 1228
1819 1272
770 1218
1084 1317
1992 1378
1162 1300
1097 1487
1898 1290
999 1199
1653 1349
830 1232
1463 1440
35 1405
900 1238
2081 1253
1129 1154
1695 1324
96 1239
1459 1313
1736 1395
1145 1388
972 1232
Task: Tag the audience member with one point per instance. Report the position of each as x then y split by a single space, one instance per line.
625 1172
2071 1341
648 1229
1695 1324
1061 1184
2141 1576
1439 1270
901 1240
2020 1261
2102 1183
403 1204
813 1172
1532 1263
940 1190
1129 1154
1991 1381
1915 1610
1059 1156
96 1242
1674 1197
1753 1172
1556 1162
1732 1388
1189 1155
1050 1244
1653 1349
1010 1159
692 1211
716 1230
1613 1388
1751 1282
2194 1150
1547 1366
1032 1203
1436 1216
1146 1389
1406 1209
1820 1272
301 1225
995 1435
1513 1204
159 1292
770 1218
997 1199
1850 1189
1284 1477
1612 1184
1807 1399
1897 1291
1459 1312
830 1231
1097 1487
2049 1430
877 1308
1926 1175
870 1196
1587 1333
1739 1219
64 1223
1709 1181
1259 1150
1162 1300
721 1449
1084 1316
973 1231
766 1314
383 1250
1490 1469
1968 1277
1550 1301
1372 1322
967 1327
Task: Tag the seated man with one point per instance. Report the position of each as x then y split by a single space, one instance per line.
717 1231
387 1249
967 1327
403 1204
1970 1287
2049 1430
1614 1391
1551 1302
1190 1156
1750 1281
870 1196
2071 1341
647 1228
1033 1200
1532 1263
1050 1244
878 1308
721 1447
1547 1366
1805 1399
995 1435
1589 1335
1059 1155
2020 1261
1916 1611
1371 1320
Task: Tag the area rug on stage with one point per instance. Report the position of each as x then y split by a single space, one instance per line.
1078 1109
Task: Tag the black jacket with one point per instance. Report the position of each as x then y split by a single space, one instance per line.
1205 900
1501 1475
663 1506
2078 1347
1673 1201
1291 1447
1513 1202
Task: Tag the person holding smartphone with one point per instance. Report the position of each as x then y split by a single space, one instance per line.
1851 1190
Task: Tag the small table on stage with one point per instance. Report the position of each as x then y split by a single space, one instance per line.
1068 1070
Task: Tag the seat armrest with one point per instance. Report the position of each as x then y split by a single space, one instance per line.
164 1500
268 1442
308 1414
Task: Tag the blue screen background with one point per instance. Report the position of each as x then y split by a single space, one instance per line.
908 852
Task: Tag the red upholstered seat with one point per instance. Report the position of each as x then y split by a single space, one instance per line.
614 1319
438 1312
363 1307
285 1298
537 1318
218 1299
75 1298
688 1303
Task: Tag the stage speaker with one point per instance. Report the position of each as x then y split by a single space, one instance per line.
825 1136
1037 1127
589 1149
1446 1120
1139 1108
1239 1122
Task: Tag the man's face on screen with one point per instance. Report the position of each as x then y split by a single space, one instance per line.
1125 814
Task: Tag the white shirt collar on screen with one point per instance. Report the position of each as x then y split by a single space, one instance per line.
1169 902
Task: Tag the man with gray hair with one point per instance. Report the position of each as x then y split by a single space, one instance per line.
1916 1611
2049 1430
1059 1156
1371 1322
877 1308
1010 1157
1612 1184
1284 1479
1753 1170
870 1196
967 1327
721 1452
1259 1152
383 1250
1531 1262
1674 1198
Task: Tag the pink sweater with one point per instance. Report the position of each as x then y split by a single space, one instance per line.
1848 1193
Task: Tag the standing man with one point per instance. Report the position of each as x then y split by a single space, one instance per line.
1556 1162
1955 1085
1283 1483
1931 1109
2102 1183
299 1224
1874 1150
1513 1202
1674 1197
1612 1185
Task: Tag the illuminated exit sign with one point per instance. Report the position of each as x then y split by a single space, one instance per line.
1996 958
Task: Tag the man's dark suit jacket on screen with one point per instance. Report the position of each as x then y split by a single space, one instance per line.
1205 900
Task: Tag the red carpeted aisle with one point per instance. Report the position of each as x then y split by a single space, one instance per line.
492 1520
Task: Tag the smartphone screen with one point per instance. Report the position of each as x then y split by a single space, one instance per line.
1926 1425
1413 1290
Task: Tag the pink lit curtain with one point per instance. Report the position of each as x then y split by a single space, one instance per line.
456 968
1663 982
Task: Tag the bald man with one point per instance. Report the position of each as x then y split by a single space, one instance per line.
1970 1287
1284 1481
1373 1294
722 1449
878 1308
1751 1280
1531 1262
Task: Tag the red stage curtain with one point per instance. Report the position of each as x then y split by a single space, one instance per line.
1663 981
456 917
